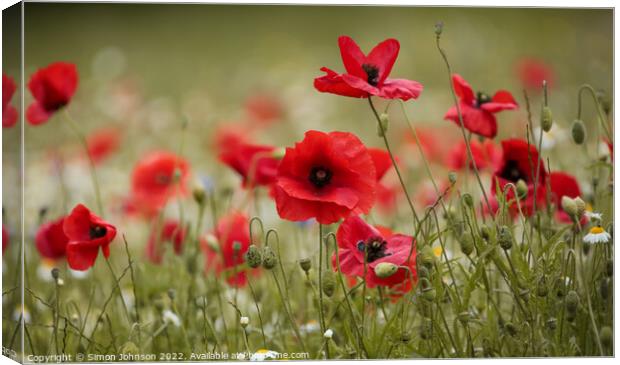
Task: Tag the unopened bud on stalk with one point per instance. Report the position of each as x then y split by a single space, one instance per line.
278 153
199 194
253 257
467 244
546 119
212 242
426 256
485 232
522 189
606 336
572 301
438 28
468 200
541 289
560 287
269 258
570 207
505 238
244 321
578 131
172 293
305 264
581 206
384 121
452 177
55 273
385 269
329 283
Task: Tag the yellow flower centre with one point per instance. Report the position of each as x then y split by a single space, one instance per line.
437 251
596 230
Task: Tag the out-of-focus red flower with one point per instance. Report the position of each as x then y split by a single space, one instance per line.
9 113
156 178
386 195
562 184
434 142
263 109
87 233
610 145
230 230
228 136
103 143
426 194
532 72
326 176
478 110
358 239
51 240
5 238
255 163
520 162
486 155
367 74
52 88
170 233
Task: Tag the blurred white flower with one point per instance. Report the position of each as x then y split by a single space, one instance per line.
311 326
264 354
328 334
44 270
594 215
244 321
550 139
171 317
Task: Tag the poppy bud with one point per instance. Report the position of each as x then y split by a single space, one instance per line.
546 119
55 273
212 242
269 258
505 238
383 127
572 301
172 293
452 177
199 194
560 287
468 200
522 189
485 232
278 153
329 283
541 289
511 329
253 257
606 336
569 206
427 257
385 269
467 244
552 323
438 28
578 131
244 321
429 293
581 206
305 264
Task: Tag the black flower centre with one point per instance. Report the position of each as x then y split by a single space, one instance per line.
511 172
320 176
482 98
97 232
372 72
374 247
163 179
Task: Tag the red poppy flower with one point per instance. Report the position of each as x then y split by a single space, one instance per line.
156 178
532 72
367 74
263 109
9 113
519 162
255 163
486 155
358 239
434 143
52 88
5 239
103 143
478 110
86 233
231 229
51 240
172 233
327 176
563 184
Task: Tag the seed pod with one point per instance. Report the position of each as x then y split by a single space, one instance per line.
505 238
253 257
269 258
467 244
426 329
384 119
552 323
572 301
468 200
546 119
570 207
329 283
305 264
541 289
606 336
452 177
522 189
385 269
578 131
511 329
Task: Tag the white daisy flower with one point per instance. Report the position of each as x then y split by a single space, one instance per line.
310 327
550 139
594 216
328 334
264 354
44 270
170 317
597 235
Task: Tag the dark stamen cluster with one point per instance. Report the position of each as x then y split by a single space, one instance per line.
97 232
482 98
511 172
320 176
372 72
374 247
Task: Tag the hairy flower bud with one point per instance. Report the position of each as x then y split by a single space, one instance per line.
572 301
485 232
426 257
505 238
329 283
305 264
199 194
385 269
424 272
578 131
383 127
546 119
570 207
452 177
253 257
522 189
541 289
467 244
269 258
581 206
604 288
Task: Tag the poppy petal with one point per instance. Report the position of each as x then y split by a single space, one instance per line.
36 114
502 100
463 89
400 89
352 56
334 84
81 257
383 57
475 120
9 116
